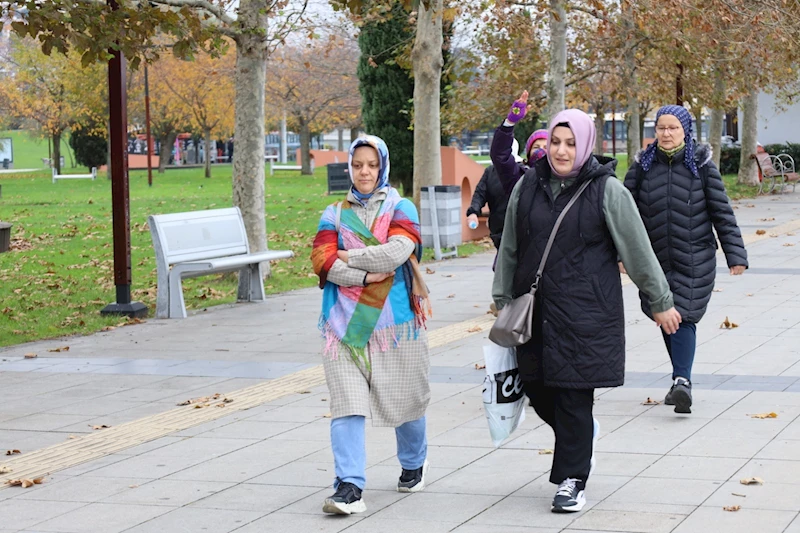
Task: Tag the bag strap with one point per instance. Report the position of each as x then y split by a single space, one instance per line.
553 234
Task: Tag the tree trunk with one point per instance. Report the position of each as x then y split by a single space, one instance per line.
748 173
354 134
167 142
427 62
57 152
207 142
600 130
305 148
248 164
632 117
717 115
340 134
558 59
699 123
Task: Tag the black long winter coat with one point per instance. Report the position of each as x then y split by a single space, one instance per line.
679 209
490 191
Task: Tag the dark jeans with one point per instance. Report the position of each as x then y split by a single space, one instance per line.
681 346
569 413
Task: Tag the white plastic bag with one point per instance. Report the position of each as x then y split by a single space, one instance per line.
503 398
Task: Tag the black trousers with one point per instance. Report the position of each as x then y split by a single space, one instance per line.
569 413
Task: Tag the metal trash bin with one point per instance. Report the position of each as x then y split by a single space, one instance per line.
338 177
443 230
5 236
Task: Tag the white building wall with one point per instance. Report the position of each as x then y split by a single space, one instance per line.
775 126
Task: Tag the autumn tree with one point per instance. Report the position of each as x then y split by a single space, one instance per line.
51 91
311 81
204 88
255 26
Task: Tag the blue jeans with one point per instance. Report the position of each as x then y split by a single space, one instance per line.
350 454
681 346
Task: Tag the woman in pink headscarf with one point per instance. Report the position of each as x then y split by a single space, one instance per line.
578 341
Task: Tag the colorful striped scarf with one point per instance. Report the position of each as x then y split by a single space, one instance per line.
351 315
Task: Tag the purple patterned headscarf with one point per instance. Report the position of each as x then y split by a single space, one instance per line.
679 112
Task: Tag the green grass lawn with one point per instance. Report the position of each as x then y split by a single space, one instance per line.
29 149
63 275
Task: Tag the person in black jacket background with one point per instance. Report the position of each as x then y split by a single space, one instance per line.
490 191
681 195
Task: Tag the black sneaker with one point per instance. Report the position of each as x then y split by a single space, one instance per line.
680 395
569 497
413 480
346 500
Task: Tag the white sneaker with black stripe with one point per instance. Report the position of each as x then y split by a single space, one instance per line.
569 498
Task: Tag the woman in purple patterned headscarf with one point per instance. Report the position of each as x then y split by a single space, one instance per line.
681 196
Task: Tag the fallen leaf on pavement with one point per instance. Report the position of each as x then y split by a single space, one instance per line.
101 426
545 452
59 349
474 329
770 219
30 356
479 366
761 232
429 270
25 483
732 508
72 437
5 470
739 495
727 324
791 234
773 235
304 392
718 290
650 401
750 205
749 294
13 452
451 295
203 399
108 328
764 415
326 415
133 486
788 244
751 481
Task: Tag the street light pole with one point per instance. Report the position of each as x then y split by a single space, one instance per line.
120 208
147 127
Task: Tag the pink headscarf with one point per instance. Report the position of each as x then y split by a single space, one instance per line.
582 127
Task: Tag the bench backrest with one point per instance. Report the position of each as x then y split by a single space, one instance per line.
764 161
198 235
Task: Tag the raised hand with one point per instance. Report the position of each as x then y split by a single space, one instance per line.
519 109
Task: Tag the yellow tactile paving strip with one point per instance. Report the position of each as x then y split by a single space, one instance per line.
112 440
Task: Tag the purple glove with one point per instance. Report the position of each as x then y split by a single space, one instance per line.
517 112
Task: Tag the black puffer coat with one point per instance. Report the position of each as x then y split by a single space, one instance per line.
490 191
678 209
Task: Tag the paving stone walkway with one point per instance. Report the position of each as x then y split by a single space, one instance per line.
268 468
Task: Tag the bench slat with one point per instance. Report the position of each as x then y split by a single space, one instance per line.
234 262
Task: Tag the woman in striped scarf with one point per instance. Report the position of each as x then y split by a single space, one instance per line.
374 308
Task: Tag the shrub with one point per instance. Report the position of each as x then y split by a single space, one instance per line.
729 160
90 147
793 149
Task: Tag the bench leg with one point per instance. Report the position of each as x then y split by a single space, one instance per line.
251 284
162 298
177 306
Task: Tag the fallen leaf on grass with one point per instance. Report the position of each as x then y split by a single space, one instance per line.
764 415
650 401
101 426
732 508
429 270
60 349
751 481
30 356
545 452
13 452
108 328
474 329
761 232
479 366
727 324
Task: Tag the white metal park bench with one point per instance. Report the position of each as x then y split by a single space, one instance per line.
198 243
273 167
92 175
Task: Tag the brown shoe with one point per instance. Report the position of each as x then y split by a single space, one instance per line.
493 309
